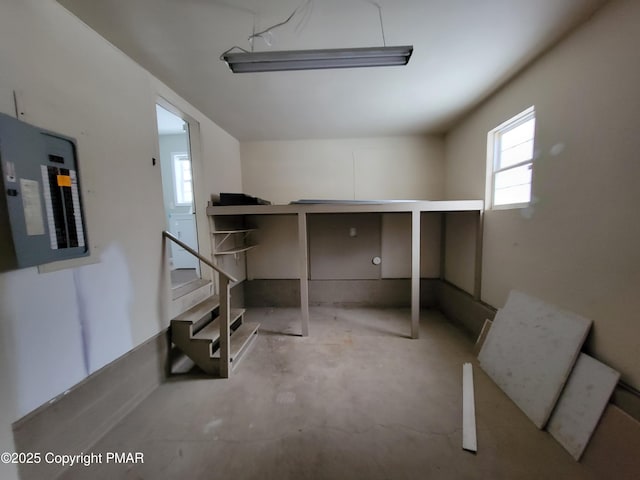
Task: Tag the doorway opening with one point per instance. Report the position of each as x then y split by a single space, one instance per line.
177 189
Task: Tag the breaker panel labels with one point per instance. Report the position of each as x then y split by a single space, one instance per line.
62 202
32 206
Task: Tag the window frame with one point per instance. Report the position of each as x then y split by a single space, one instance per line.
493 157
178 179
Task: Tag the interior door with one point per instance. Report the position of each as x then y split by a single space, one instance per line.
183 227
177 185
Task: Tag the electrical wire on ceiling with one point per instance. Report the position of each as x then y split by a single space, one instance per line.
304 10
377 5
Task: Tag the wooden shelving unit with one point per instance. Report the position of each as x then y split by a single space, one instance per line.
237 214
226 233
234 251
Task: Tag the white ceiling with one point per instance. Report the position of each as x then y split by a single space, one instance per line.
463 51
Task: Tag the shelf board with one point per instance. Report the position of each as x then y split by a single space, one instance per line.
245 230
233 251
383 207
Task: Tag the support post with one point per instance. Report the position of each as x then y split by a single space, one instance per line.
477 284
415 273
443 244
304 272
225 301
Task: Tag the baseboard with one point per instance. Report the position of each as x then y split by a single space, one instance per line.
385 293
276 293
353 293
360 293
462 309
77 419
628 399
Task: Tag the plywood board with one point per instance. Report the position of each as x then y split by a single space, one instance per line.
469 440
581 404
530 351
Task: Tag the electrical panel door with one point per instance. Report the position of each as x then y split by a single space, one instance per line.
41 212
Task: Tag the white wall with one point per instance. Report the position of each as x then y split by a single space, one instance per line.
57 327
391 168
396 245
346 169
577 246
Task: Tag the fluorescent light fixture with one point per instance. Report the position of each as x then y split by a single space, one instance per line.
243 62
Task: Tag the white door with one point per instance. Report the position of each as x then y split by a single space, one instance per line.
177 185
183 227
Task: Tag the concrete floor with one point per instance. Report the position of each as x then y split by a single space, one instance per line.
355 400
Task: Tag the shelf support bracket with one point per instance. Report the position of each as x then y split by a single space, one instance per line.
219 244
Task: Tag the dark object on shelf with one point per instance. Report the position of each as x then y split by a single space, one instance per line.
241 199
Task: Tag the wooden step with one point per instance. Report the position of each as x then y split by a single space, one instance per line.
199 311
190 295
240 340
187 288
196 335
212 330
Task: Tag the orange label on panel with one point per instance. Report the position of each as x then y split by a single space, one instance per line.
64 181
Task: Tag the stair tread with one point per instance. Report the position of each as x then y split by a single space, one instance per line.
212 330
240 338
187 288
198 311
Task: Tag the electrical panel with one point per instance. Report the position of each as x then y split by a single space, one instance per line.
41 217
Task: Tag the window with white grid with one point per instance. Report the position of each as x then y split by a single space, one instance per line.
183 181
511 156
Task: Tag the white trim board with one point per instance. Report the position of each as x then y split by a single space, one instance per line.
530 350
469 440
581 404
482 337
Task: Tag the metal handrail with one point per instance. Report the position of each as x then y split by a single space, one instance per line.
203 259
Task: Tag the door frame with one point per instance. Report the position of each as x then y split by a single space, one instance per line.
200 197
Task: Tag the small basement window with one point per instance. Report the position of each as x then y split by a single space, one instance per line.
510 157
